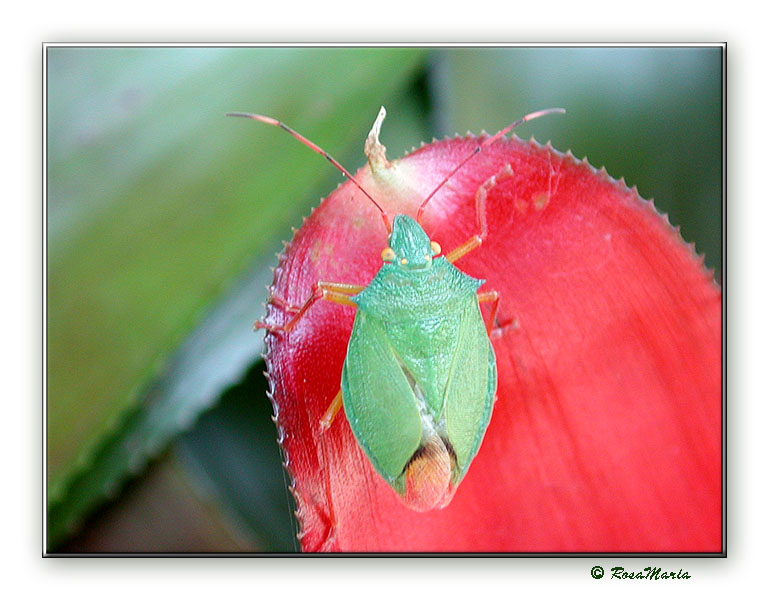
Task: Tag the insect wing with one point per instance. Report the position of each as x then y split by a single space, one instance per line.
378 400
471 388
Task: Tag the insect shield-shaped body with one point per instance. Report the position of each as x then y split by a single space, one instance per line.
419 377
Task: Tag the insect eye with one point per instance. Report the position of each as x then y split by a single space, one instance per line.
435 247
388 255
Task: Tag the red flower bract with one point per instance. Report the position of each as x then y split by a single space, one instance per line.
606 432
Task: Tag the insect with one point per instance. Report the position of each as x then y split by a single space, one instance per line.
419 378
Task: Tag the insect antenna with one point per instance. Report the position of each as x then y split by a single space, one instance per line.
481 146
319 150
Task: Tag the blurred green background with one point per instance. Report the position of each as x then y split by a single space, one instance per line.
163 218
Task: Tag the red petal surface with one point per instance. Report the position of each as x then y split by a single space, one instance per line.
606 433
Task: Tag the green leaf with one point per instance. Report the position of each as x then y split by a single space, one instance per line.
210 360
233 452
154 209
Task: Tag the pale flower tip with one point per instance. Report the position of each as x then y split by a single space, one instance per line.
373 148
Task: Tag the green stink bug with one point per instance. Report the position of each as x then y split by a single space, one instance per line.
419 378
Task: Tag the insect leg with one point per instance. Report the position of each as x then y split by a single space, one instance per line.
330 414
322 290
477 150
344 288
327 543
480 211
280 303
325 423
493 297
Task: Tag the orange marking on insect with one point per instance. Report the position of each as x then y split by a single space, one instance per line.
428 477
